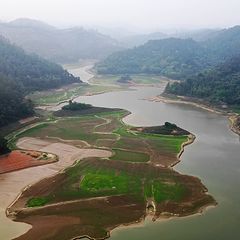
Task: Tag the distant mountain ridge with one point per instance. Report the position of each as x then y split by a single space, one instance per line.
197 35
173 57
58 45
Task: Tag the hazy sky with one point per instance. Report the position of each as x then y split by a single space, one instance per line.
139 14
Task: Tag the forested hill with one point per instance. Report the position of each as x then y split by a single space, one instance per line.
20 74
219 85
225 43
31 71
58 45
174 58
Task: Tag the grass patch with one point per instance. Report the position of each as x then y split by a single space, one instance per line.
139 79
37 201
53 97
165 192
88 181
122 155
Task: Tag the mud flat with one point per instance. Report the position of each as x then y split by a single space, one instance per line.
12 183
96 195
184 101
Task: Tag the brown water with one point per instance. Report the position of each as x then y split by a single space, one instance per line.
214 158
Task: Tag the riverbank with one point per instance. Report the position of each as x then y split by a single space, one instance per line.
150 175
234 118
46 219
13 183
191 139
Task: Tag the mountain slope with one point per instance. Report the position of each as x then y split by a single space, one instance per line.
31 71
20 74
225 43
174 58
219 85
59 45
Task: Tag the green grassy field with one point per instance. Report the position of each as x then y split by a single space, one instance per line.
53 97
89 179
86 179
122 155
107 126
138 79
38 201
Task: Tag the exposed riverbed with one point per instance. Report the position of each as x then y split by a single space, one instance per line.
214 158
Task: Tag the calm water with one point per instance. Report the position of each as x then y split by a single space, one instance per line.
214 158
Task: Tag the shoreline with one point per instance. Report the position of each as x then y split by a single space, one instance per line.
22 179
232 117
190 141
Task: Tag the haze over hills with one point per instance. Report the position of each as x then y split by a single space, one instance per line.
59 45
20 74
197 35
175 58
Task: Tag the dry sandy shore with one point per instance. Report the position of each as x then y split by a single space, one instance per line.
180 101
12 183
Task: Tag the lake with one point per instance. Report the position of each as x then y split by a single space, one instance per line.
214 158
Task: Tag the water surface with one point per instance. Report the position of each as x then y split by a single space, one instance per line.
214 158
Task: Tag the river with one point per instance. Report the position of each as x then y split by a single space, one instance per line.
214 158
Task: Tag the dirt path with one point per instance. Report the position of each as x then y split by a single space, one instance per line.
11 184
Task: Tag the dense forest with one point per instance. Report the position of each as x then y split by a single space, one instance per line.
175 58
58 45
20 74
218 85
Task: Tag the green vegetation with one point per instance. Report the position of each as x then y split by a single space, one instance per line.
135 78
74 106
236 109
162 190
30 71
13 105
124 79
117 175
92 181
174 58
122 155
166 129
168 191
3 146
90 178
19 75
70 92
37 201
109 182
219 86
106 130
